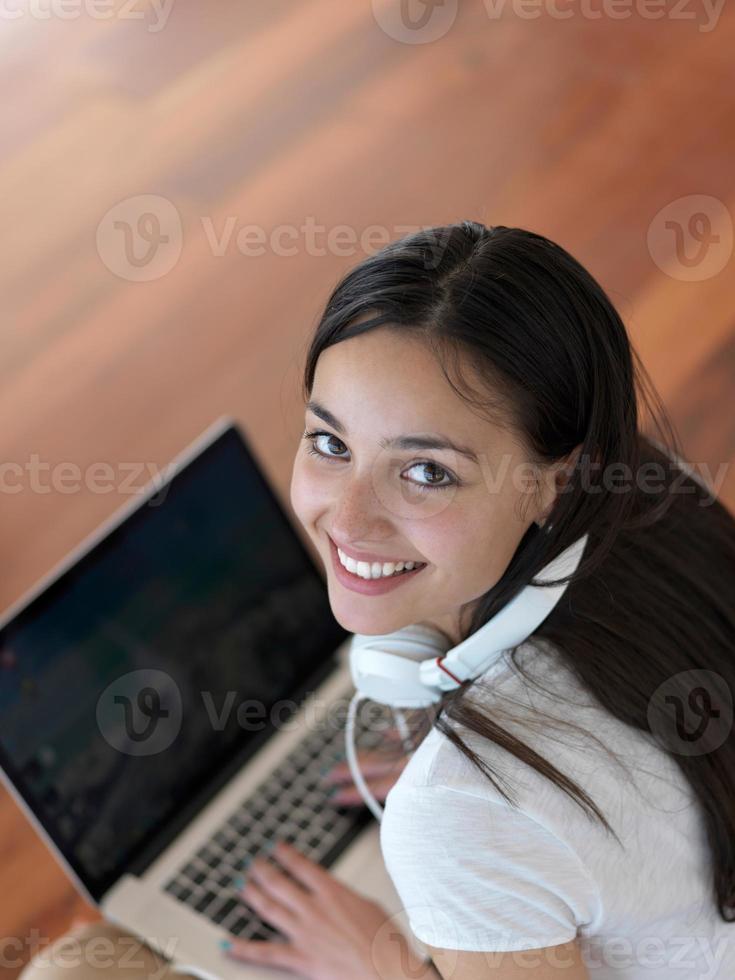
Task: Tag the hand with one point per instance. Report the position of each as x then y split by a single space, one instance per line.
380 774
332 932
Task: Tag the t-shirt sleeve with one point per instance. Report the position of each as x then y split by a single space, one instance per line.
473 874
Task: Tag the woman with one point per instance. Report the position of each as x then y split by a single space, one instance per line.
571 813
619 857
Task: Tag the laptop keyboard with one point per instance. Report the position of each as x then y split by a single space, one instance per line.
292 805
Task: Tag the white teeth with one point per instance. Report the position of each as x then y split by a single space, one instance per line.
374 569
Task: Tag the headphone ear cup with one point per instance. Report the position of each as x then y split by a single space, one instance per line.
389 678
385 667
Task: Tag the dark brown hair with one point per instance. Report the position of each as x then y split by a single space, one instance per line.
653 596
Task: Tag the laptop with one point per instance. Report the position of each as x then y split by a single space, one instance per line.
170 694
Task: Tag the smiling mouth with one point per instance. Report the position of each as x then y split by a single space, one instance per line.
364 569
367 578
382 575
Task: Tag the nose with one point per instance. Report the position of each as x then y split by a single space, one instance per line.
357 514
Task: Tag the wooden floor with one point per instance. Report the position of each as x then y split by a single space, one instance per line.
285 113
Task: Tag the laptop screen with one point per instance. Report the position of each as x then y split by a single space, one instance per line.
166 655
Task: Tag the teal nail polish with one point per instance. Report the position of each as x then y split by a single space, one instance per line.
269 846
244 863
225 944
239 882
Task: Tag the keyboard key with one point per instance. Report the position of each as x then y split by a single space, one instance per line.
228 906
207 899
238 927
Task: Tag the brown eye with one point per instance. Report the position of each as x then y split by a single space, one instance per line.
434 483
313 436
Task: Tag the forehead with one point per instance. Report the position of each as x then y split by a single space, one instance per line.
394 385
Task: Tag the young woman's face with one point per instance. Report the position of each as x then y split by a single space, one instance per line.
366 495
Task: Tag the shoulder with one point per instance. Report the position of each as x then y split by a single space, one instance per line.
536 698
478 874
533 697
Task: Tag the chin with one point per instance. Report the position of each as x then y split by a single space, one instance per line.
368 623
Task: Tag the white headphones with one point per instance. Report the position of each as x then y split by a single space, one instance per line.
415 666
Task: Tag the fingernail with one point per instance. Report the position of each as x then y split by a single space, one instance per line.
270 845
239 882
225 944
244 863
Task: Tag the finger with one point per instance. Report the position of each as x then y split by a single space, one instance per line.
276 885
394 736
268 907
310 874
370 762
391 735
272 953
350 795
368 767
376 777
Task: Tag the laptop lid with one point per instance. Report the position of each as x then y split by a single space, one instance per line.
146 669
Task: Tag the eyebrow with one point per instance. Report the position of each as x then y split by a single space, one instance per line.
422 441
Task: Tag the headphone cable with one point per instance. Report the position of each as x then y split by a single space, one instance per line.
351 753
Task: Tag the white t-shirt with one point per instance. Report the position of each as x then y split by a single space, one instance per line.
475 873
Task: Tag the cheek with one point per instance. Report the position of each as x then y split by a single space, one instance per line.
443 539
472 544
307 493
